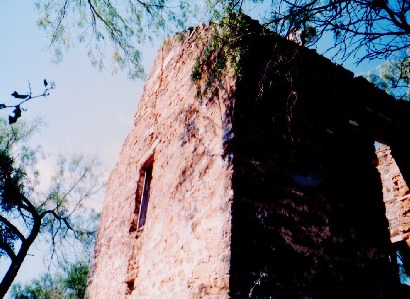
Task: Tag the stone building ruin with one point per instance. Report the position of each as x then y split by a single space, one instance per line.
267 186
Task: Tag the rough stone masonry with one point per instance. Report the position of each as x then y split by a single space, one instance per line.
266 187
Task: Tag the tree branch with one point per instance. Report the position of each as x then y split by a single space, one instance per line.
8 250
14 229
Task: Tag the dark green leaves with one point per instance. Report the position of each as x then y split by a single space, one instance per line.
10 183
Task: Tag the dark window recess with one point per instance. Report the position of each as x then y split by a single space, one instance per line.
139 217
142 215
401 261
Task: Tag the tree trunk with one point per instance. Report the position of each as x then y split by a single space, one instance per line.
18 261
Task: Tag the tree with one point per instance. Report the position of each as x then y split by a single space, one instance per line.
126 24
46 287
380 27
366 29
393 76
76 280
362 29
70 282
26 214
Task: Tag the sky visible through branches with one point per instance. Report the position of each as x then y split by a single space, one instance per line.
89 112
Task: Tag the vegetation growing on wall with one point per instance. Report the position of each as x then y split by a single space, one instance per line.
228 43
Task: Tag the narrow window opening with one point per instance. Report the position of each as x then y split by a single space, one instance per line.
142 215
139 218
402 261
142 197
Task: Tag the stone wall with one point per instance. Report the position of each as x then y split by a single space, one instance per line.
264 187
183 250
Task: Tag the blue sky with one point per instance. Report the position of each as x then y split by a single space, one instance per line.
89 112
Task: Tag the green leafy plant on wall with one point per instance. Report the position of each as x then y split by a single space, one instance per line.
222 51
